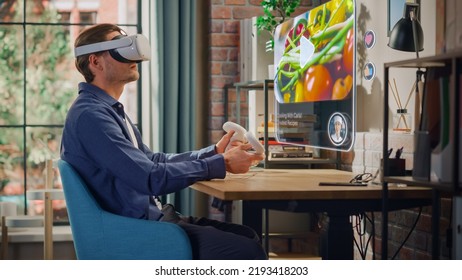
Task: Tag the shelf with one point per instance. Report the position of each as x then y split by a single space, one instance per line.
424 62
259 84
419 64
304 161
453 63
408 180
54 194
265 86
35 234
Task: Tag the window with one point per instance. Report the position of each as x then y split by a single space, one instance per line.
87 17
39 82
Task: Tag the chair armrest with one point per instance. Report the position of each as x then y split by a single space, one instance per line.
129 238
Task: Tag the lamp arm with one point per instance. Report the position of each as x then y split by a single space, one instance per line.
414 32
420 103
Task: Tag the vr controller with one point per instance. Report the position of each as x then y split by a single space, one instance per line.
134 48
240 134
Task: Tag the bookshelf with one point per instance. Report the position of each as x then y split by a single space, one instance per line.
265 86
451 62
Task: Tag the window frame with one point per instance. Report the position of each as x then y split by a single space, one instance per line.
26 124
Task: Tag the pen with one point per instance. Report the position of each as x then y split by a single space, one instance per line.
399 152
389 152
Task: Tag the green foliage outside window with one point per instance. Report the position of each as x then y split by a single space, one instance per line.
37 85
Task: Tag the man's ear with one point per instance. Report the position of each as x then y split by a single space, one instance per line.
95 62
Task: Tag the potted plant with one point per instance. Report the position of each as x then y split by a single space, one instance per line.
275 13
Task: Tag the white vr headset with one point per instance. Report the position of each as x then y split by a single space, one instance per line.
134 48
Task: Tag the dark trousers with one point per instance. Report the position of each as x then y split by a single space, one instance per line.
215 240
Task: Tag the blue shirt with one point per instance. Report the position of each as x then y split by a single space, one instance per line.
123 178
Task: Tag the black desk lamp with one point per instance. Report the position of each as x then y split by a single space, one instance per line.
407 35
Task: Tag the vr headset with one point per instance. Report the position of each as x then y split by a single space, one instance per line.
127 49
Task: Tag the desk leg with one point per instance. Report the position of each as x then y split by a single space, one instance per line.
4 239
337 240
252 217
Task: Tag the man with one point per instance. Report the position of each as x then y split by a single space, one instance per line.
124 175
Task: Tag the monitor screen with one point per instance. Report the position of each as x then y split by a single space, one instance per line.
314 84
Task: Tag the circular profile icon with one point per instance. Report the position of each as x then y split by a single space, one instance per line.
369 39
369 71
337 128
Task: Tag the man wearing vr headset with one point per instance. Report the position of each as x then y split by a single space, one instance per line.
125 176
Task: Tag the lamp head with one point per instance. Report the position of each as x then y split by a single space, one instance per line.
402 35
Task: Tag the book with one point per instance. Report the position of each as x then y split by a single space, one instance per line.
287 148
450 26
458 29
440 27
276 146
290 155
445 110
443 155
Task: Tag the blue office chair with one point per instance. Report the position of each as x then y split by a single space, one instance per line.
99 234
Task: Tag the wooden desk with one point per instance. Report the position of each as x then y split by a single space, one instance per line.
298 190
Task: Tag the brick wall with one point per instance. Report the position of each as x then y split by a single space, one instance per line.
224 54
366 158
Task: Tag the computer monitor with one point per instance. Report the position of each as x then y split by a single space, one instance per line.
314 84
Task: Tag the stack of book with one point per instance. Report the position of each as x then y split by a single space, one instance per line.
293 146
284 152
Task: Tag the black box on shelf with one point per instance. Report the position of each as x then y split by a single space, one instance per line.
396 167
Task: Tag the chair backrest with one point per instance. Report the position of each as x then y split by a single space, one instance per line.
99 234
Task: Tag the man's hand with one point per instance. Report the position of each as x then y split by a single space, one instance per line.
224 141
239 160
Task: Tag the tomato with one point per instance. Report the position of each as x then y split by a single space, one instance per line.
318 83
336 69
348 53
342 87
